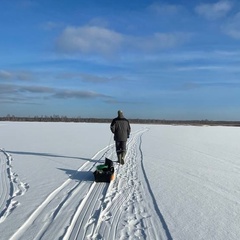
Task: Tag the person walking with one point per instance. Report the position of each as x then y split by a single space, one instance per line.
121 129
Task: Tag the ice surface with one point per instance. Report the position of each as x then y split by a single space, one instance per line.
178 182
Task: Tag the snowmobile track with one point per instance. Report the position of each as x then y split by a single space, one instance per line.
80 209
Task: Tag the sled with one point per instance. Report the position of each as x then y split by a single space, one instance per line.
104 172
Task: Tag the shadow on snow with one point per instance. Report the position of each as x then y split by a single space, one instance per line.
78 175
50 155
72 174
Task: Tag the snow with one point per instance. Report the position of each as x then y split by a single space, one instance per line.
178 182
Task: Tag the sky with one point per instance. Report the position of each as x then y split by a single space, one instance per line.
176 60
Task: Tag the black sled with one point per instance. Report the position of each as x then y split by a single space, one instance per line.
105 172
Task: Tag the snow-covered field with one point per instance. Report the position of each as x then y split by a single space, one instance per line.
179 182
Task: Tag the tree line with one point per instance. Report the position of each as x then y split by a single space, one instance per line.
57 118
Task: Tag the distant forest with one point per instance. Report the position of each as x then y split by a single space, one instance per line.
57 118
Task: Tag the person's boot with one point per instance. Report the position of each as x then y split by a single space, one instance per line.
119 156
123 157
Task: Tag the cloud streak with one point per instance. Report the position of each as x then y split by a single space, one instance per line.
16 75
67 94
90 78
22 93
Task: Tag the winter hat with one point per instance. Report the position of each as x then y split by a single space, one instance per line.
120 114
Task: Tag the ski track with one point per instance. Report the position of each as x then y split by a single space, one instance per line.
10 186
84 209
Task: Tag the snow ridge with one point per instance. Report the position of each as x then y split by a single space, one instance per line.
10 186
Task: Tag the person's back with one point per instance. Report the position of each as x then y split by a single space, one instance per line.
121 129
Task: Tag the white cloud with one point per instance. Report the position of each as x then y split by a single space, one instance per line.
232 27
50 25
215 10
99 40
161 41
89 39
167 40
160 8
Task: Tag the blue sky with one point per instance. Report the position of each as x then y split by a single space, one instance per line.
151 59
